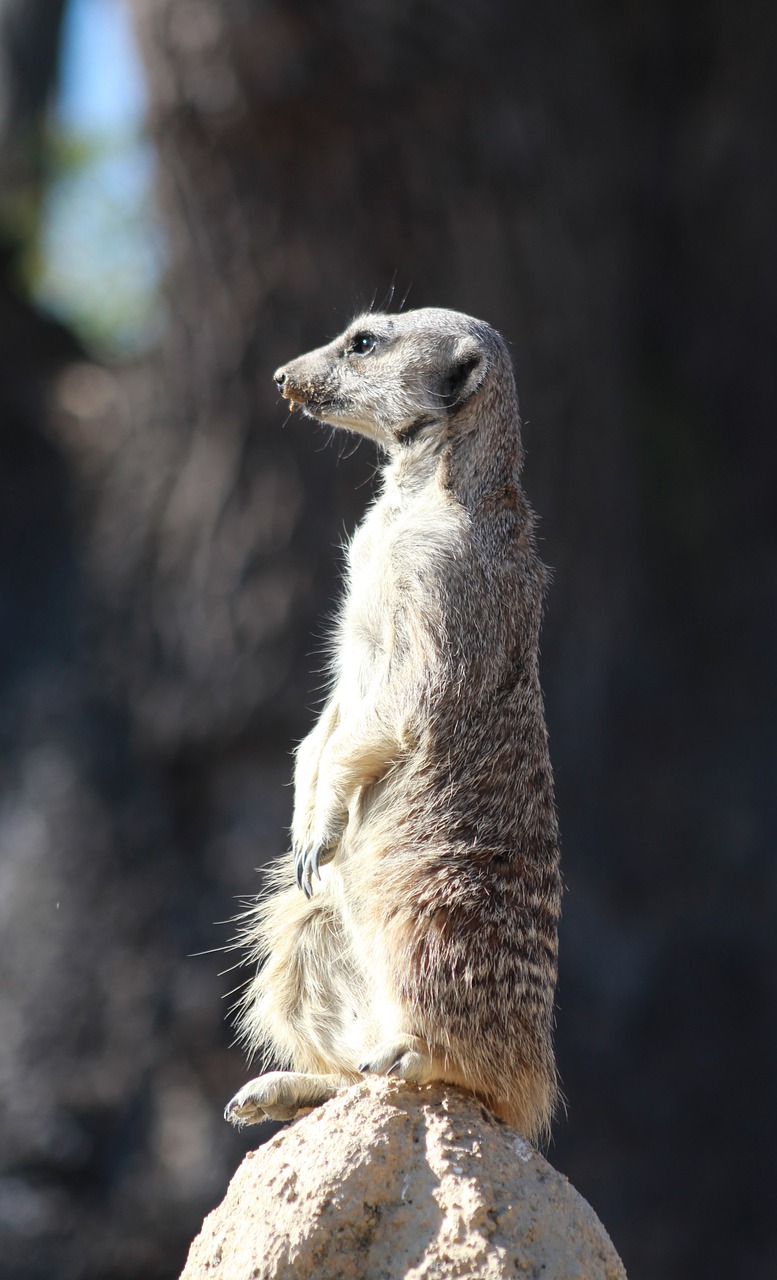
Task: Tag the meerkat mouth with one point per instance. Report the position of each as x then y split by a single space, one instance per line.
294 399
320 410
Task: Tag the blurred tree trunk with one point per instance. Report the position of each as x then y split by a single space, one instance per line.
29 47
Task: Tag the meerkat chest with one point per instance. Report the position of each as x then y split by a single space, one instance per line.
366 631
393 561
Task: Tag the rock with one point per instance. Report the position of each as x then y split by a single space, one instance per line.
390 1180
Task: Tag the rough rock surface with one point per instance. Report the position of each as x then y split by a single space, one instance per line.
389 1180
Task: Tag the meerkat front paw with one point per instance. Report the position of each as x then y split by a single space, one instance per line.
408 1058
314 846
306 865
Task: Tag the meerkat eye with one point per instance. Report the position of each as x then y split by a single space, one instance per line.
363 344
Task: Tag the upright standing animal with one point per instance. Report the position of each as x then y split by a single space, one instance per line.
419 940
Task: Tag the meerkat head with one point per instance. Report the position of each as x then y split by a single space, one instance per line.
397 378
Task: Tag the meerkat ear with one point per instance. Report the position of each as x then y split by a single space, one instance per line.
464 374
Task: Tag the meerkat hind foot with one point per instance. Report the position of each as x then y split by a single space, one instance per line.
280 1095
408 1058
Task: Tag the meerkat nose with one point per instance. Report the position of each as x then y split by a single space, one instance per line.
279 377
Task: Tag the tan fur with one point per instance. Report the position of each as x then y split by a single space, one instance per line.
424 824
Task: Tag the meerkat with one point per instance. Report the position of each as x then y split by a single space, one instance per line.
411 930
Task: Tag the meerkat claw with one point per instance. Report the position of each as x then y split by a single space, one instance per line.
307 864
304 862
309 868
409 1060
299 868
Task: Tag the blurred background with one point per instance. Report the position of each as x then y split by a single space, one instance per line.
192 191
